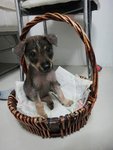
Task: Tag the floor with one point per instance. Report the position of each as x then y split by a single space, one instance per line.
96 135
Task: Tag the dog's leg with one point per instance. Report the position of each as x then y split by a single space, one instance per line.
56 88
40 107
49 101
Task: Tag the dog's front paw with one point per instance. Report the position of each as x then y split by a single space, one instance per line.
67 102
44 115
40 109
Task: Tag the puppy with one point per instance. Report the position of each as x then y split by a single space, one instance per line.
40 77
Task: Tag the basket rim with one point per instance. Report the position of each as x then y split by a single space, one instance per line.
45 127
12 104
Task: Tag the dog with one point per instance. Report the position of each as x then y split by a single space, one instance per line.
40 77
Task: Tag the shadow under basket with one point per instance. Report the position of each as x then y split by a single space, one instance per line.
63 125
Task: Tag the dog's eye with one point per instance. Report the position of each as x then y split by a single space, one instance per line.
47 48
32 54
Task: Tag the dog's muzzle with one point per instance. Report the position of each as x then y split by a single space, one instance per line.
46 66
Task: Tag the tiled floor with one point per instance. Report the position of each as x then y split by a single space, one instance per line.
96 135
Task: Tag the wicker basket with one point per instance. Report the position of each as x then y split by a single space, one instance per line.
63 125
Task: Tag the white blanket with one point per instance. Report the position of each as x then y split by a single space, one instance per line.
73 88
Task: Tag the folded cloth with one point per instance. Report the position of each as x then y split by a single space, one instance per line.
73 87
35 3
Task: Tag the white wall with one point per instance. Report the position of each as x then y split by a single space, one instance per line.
7 13
70 49
102 33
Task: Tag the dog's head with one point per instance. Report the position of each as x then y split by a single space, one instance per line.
38 51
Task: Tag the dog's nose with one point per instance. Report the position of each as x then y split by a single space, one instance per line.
46 66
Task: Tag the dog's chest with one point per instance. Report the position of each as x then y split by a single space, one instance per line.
43 81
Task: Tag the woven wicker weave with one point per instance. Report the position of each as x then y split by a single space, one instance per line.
64 125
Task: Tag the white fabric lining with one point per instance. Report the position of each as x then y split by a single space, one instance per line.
73 87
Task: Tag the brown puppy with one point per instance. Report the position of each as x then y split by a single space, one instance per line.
40 77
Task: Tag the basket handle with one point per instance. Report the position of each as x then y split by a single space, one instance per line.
82 34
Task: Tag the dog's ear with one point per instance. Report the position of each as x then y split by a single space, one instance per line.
19 49
52 39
